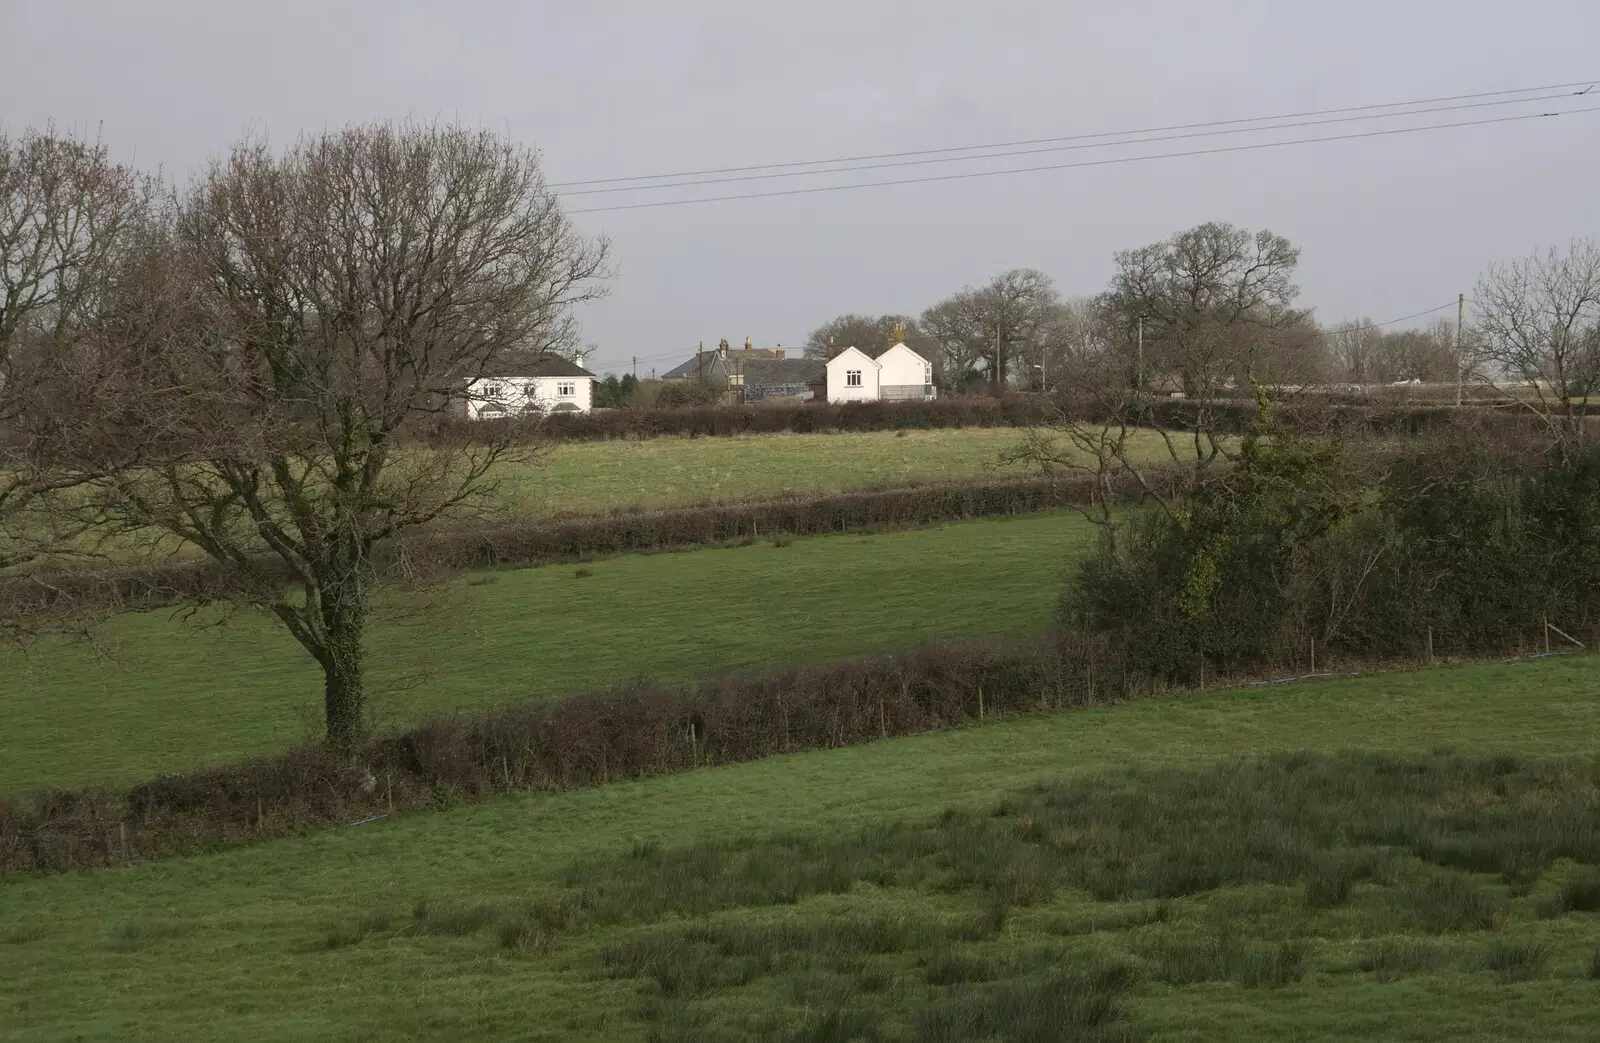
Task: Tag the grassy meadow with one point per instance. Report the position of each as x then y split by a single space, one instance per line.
594 477
166 692
588 478
1156 870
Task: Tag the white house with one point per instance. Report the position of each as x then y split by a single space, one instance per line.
551 385
896 374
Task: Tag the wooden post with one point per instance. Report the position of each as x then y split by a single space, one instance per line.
1547 635
980 702
1202 676
1313 655
122 834
1430 646
388 790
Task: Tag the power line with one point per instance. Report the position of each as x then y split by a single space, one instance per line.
1386 322
1086 163
1077 137
1066 148
924 337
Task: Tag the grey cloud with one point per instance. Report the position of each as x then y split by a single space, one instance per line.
1387 226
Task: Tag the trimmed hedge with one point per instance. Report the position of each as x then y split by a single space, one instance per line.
524 544
1232 415
637 730
632 731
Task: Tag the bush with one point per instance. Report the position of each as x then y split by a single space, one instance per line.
1367 551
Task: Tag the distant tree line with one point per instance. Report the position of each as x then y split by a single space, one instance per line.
1216 305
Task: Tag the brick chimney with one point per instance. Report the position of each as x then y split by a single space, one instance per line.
832 348
777 353
747 347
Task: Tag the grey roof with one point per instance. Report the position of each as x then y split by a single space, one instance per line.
549 366
705 365
782 371
711 362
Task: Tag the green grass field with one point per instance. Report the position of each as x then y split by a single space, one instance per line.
1118 871
593 477
587 478
169 695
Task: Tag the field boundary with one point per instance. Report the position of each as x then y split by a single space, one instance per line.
526 544
1231 415
632 731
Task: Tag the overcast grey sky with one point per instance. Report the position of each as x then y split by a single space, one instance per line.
1387 226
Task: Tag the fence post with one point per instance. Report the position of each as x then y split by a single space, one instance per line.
1430 646
1313 655
1546 635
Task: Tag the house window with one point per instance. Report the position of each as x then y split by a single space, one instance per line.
566 390
492 391
852 378
927 373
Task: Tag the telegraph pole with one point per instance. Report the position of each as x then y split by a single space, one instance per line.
1138 372
636 367
1461 313
999 371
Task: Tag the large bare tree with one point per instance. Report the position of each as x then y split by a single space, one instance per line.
1204 306
67 214
1537 334
867 332
1009 319
325 309
1196 309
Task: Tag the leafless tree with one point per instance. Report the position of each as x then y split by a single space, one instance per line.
1212 302
67 213
867 332
1360 352
1537 333
1073 344
1009 318
326 308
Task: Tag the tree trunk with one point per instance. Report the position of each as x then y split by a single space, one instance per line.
344 685
343 653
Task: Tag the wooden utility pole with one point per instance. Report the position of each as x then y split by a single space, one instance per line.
999 370
1138 370
1461 314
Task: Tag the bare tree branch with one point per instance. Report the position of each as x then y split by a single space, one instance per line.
332 304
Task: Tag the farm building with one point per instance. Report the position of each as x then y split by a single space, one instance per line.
752 374
722 367
896 373
551 385
891 372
